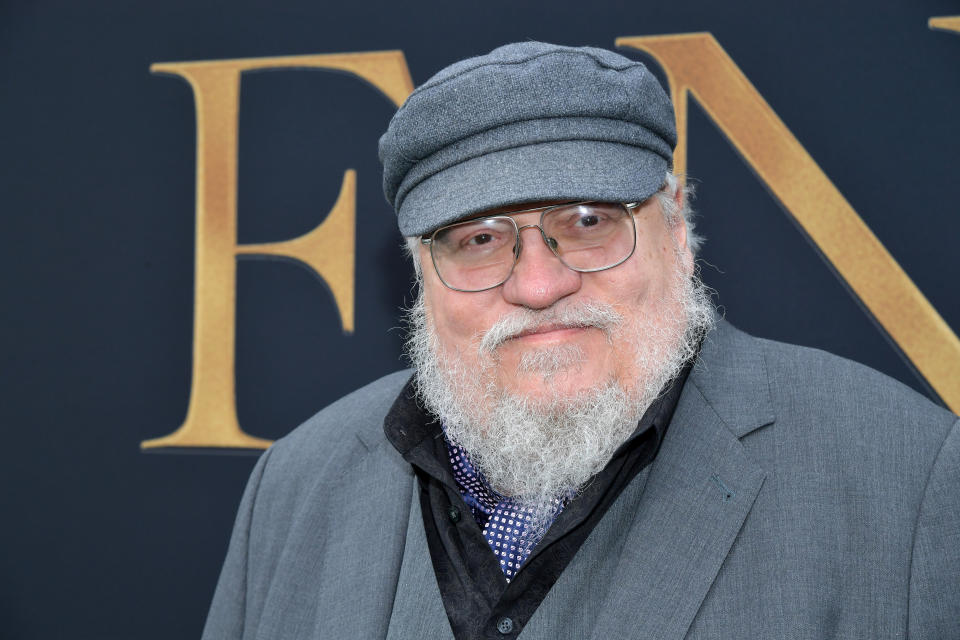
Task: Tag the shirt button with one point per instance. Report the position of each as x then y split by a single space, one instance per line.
505 626
454 514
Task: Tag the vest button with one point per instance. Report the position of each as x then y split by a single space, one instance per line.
454 514
505 625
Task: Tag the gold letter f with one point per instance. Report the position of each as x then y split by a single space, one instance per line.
328 249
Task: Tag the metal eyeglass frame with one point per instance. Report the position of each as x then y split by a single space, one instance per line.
518 247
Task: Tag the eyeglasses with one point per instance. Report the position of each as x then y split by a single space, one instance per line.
480 254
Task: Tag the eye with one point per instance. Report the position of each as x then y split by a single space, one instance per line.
583 221
479 239
485 239
590 220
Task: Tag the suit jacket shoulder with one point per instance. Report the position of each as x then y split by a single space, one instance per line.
845 387
868 424
308 547
339 427
753 382
860 501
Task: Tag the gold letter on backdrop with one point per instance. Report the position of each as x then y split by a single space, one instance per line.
328 249
945 23
696 63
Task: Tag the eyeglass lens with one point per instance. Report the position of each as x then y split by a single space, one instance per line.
480 254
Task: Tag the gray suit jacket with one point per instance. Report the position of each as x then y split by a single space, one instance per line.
796 495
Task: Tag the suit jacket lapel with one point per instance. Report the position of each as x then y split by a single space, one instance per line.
701 487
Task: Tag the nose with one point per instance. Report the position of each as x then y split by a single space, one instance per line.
539 279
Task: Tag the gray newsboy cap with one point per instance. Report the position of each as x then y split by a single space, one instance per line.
527 122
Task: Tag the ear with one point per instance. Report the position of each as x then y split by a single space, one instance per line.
679 229
679 232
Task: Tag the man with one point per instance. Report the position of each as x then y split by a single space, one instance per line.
583 449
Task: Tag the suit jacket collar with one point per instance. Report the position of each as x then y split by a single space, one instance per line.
731 373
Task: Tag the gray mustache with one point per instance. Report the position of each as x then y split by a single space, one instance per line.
600 315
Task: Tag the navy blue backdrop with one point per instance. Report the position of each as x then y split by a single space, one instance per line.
97 161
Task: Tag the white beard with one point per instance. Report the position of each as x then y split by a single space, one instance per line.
540 451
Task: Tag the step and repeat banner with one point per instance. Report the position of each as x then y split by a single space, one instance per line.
198 256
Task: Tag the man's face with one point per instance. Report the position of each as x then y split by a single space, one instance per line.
551 359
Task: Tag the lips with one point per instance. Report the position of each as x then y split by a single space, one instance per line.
547 328
553 324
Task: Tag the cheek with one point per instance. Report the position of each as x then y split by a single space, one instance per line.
660 262
456 317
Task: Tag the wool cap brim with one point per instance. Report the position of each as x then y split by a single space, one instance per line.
559 170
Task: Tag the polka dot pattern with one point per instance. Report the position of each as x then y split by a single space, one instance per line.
504 521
